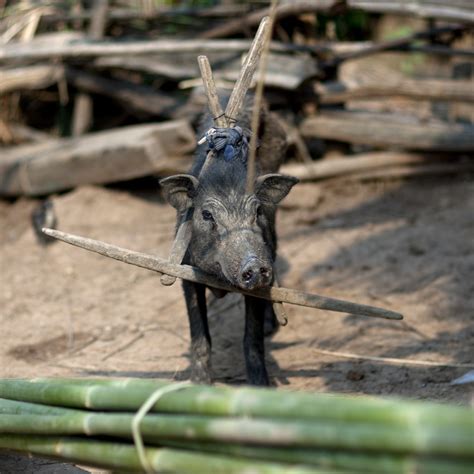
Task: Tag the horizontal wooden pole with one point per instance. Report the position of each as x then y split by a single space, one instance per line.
196 275
81 48
459 10
420 89
136 96
360 163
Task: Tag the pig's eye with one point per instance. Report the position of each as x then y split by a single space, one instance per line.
207 216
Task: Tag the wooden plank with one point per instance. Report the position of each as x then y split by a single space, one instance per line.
389 131
102 157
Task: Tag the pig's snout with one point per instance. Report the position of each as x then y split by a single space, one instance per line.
255 274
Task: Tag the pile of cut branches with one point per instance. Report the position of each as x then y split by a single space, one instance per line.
108 91
196 429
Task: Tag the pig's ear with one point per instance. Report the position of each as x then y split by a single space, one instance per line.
179 190
272 188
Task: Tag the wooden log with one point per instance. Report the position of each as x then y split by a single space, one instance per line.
388 130
80 48
102 157
29 77
361 163
136 96
196 275
420 89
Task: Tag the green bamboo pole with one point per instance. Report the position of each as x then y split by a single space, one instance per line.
380 463
123 456
14 407
363 461
130 394
296 434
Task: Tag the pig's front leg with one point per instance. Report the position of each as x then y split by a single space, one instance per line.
254 349
200 338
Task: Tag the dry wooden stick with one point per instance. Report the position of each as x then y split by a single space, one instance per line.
211 92
80 48
391 360
196 275
246 74
83 105
255 121
178 250
278 307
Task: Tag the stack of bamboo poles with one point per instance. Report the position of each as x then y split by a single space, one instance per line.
202 429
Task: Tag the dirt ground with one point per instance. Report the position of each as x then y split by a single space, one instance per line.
407 246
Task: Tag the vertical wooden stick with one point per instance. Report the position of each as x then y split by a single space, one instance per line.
211 92
258 100
178 250
246 74
278 307
83 106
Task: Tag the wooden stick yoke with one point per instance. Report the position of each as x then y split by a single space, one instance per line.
221 120
196 275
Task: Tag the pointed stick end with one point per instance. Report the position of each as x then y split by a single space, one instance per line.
50 232
387 314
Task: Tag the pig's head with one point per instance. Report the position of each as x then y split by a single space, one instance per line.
233 232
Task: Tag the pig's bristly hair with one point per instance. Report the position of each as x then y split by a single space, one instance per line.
224 179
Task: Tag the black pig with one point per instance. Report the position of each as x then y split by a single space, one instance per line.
233 234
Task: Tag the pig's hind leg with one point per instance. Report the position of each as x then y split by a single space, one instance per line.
254 347
195 295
